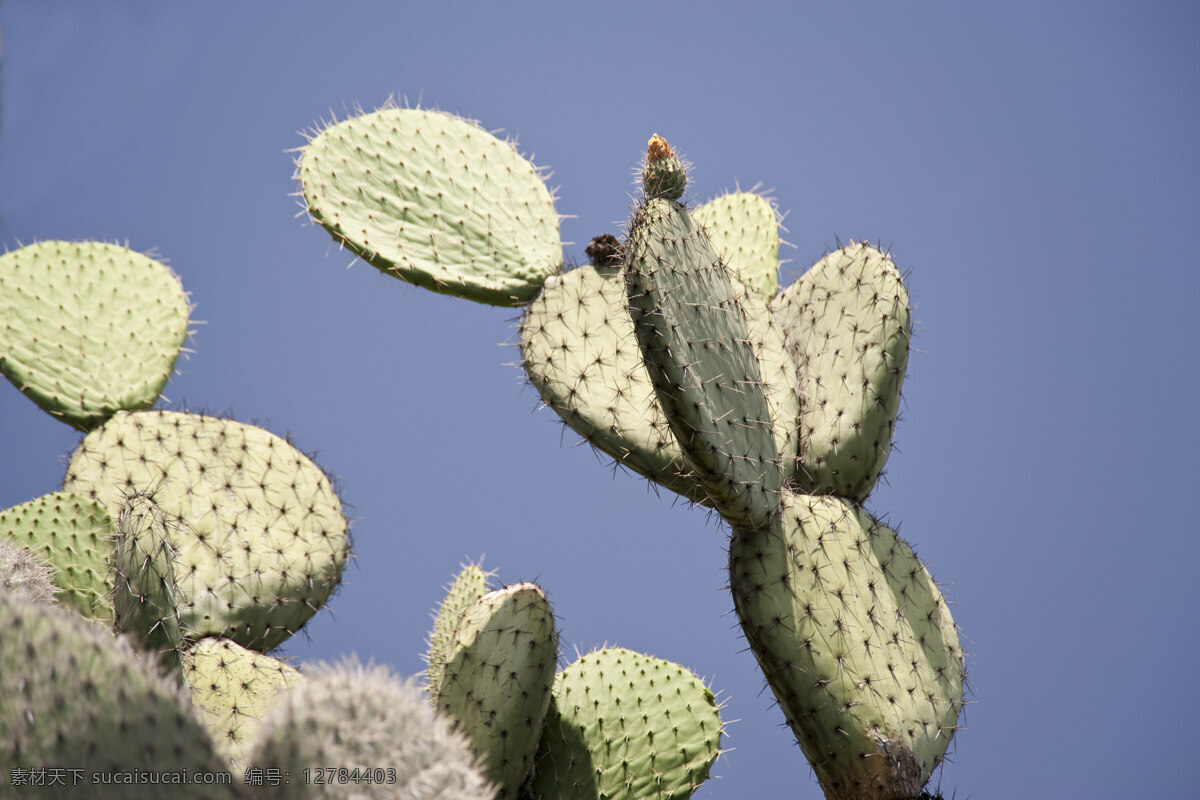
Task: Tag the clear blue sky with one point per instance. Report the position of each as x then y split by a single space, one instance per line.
1034 165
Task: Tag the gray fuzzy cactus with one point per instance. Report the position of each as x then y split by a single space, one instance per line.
676 353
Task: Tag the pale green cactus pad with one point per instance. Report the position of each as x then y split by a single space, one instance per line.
73 534
857 644
744 230
378 733
232 689
848 329
469 585
145 594
259 535
626 726
579 351
692 330
74 697
497 679
89 328
434 200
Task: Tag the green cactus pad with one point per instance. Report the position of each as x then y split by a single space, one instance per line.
497 680
258 532
856 641
692 330
232 689
744 230
626 726
89 328
469 585
73 534
848 329
74 697
434 200
145 594
24 575
378 733
579 351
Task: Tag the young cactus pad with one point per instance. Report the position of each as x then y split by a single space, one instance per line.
497 679
145 593
469 585
377 728
89 328
848 330
258 532
72 534
857 644
74 697
626 726
434 200
744 230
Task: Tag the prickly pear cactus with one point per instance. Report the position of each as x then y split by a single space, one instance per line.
578 350
145 593
72 696
855 640
89 328
232 689
693 335
73 534
626 726
744 230
259 536
848 329
434 200
469 585
497 678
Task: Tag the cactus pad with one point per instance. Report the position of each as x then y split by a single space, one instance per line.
848 329
497 680
145 593
434 200
856 641
232 689
258 531
625 726
89 328
469 585
692 330
73 697
744 230
73 534
579 351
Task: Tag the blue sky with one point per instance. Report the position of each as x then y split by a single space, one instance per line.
1033 165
